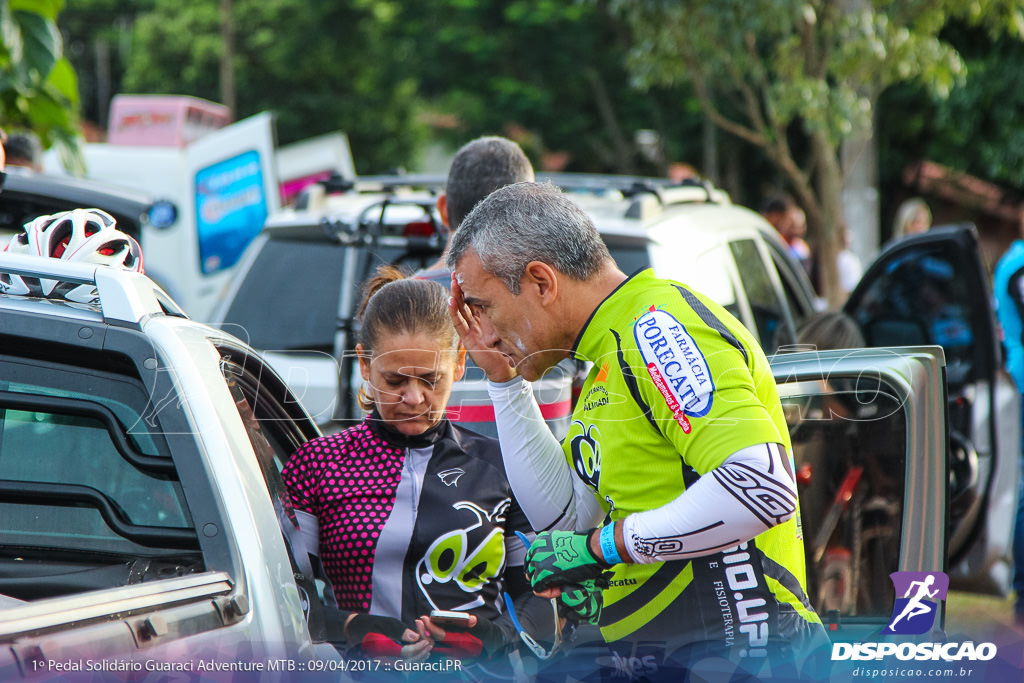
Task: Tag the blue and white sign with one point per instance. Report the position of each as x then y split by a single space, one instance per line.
676 365
231 207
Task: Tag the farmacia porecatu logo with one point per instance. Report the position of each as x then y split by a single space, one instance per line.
917 599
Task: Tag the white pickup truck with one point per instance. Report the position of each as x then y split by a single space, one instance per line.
144 522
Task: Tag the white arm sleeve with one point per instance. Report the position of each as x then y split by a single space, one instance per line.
751 491
548 492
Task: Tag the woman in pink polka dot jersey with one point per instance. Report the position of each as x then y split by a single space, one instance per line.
414 513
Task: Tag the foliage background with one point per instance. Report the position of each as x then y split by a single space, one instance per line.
38 88
566 79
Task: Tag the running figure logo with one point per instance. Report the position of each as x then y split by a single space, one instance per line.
914 613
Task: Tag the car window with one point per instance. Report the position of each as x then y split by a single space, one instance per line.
797 304
274 436
77 488
138 432
56 446
630 256
920 297
289 298
849 446
269 410
769 311
709 271
709 274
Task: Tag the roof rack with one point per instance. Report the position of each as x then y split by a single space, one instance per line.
692 191
649 195
315 196
125 297
368 225
598 183
432 183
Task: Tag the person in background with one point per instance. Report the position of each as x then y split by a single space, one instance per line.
480 167
790 221
679 171
848 266
411 512
3 158
1008 286
796 230
912 217
22 149
776 210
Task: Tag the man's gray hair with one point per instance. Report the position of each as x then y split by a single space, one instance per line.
528 222
479 168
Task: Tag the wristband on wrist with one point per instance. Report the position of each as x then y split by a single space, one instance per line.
608 549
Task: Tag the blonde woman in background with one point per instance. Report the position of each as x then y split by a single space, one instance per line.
912 217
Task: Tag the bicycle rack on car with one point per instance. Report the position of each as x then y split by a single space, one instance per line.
361 237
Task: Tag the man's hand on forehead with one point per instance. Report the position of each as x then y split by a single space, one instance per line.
467 325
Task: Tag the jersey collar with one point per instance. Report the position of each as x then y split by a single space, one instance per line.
395 438
642 275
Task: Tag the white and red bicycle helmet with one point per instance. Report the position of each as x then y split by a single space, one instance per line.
82 235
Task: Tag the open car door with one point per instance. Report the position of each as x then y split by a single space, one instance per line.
868 428
933 288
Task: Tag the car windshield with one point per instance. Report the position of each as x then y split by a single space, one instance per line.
289 299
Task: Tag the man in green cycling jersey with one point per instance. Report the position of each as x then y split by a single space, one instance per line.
675 475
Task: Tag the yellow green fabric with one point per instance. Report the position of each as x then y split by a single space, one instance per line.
677 385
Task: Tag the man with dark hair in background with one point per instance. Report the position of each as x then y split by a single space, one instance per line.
479 168
776 211
790 221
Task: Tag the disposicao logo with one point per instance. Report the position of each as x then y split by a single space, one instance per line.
917 599
914 613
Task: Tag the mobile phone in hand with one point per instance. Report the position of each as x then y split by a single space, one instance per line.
450 619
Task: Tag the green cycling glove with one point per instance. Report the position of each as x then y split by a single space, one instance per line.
557 558
583 601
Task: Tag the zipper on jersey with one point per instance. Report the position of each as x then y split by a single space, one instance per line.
417 483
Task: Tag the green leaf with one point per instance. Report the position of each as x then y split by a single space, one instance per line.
47 112
48 9
10 33
41 45
64 81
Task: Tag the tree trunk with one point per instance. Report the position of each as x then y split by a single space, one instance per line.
829 185
606 110
860 191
